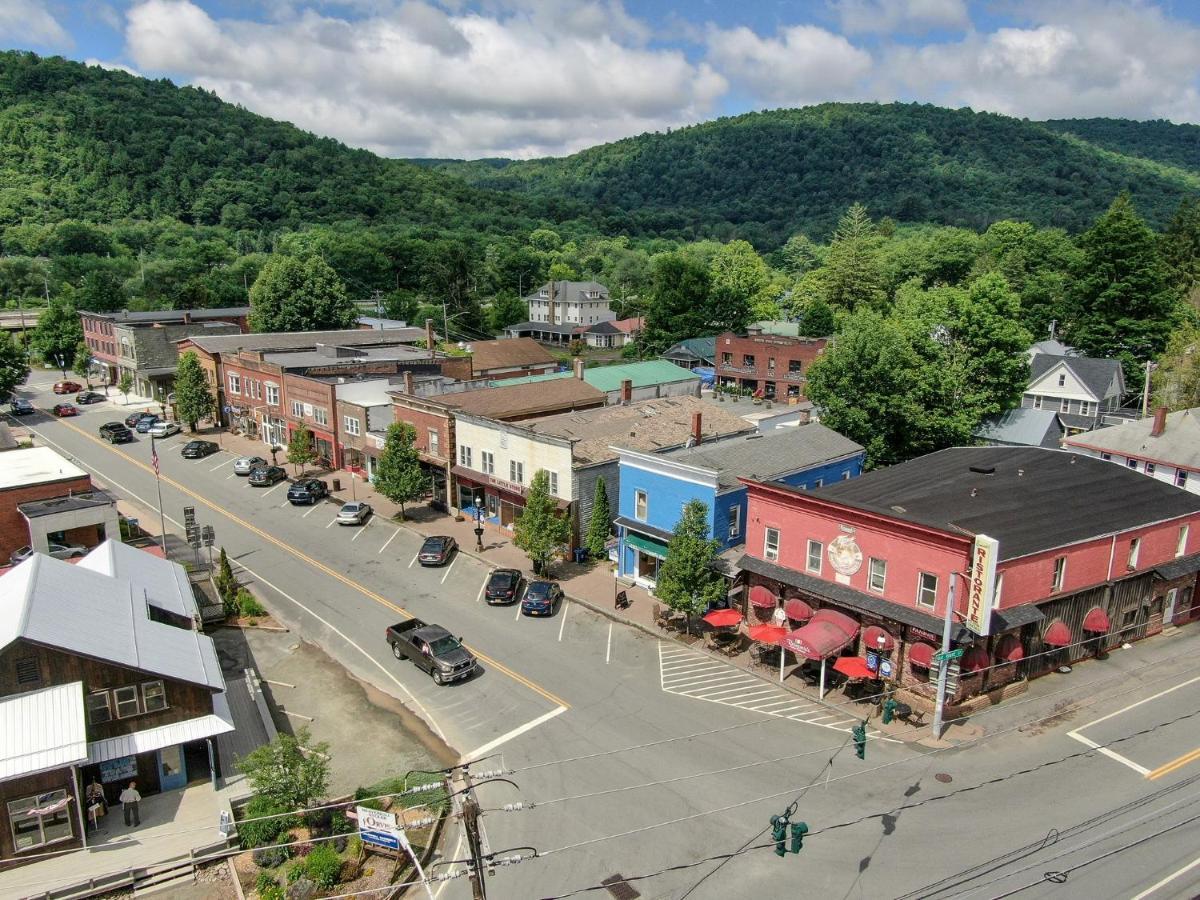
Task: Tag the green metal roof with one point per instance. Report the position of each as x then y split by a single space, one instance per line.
529 379
646 545
642 374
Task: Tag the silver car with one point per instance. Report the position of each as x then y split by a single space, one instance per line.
58 551
244 465
353 513
162 429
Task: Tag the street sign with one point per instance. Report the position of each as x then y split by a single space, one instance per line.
948 654
208 535
378 828
189 516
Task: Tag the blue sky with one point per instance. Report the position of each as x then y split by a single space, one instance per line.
471 78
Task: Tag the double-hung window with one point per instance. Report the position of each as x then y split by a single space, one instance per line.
154 696
487 462
126 698
434 440
272 394
640 505
40 820
1060 573
877 575
516 471
735 521
297 409
320 414
771 544
464 456
552 477
927 584
235 383
97 708
813 561
351 425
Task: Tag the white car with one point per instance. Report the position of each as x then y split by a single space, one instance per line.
164 429
244 465
58 551
353 513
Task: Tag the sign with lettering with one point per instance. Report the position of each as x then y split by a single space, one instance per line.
981 586
378 828
885 668
118 769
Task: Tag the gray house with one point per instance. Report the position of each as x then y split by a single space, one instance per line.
1079 388
1022 427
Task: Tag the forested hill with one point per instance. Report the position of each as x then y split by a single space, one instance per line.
80 142
764 176
1164 142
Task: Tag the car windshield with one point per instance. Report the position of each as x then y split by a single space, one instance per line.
351 508
434 544
442 646
539 590
502 580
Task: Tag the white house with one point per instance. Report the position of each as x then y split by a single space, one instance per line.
1080 389
1165 447
570 303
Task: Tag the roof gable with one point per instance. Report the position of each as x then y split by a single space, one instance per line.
1099 378
508 353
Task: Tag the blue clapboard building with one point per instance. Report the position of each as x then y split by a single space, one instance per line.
655 486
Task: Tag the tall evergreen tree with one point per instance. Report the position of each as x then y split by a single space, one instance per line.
686 580
540 530
600 525
854 278
399 476
292 294
193 398
1180 247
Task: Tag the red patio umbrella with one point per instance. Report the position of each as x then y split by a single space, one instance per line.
762 597
720 618
767 633
797 610
853 667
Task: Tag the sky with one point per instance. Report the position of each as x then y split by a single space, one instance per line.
528 78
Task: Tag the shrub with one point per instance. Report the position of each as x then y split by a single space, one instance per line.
350 870
248 605
273 892
323 866
339 824
319 822
256 834
265 882
273 856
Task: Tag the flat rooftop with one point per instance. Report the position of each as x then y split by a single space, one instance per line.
35 465
307 340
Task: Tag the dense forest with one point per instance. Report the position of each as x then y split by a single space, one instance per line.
1164 142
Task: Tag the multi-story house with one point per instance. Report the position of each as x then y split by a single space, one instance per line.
1079 388
1065 556
654 487
102 678
771 366
560 310
1166 446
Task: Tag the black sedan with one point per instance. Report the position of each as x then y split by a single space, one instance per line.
20 407
436 550
89 397
503 587
541 598
198 449
267 476
306 492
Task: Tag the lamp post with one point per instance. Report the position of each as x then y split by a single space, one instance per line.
62 364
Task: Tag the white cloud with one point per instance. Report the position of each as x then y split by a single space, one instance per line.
802 64
416 80
112 66
903 16
27 22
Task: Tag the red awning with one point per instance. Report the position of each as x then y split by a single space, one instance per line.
853 667
1096 621
1009 649
974 659
767 634
871 639
723 618
920 655
817 640
762 597
1057 635
797 610
840 621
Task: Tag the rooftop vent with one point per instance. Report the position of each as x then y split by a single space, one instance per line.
899 509
983 470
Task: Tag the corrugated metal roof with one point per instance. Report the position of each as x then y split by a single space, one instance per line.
161 582
220 722
642 374
42 730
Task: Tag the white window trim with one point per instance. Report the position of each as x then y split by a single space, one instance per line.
808 556
272 394
321 415
768 552
162 692
435 439
921 576
1135 550
137 702
1060 575
351 424
1181 541
871 575
487 462
464 456
641 501
516 471
297 409
735 521
235 383
552 478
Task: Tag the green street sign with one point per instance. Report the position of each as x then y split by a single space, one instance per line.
949 654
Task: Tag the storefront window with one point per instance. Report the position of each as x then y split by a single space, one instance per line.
40 820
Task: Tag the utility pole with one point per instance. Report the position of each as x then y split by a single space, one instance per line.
944 661
469 808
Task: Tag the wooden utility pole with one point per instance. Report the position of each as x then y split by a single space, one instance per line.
469 809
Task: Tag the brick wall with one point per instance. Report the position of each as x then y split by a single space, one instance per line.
14 530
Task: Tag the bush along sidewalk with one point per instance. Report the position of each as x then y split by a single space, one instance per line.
240 603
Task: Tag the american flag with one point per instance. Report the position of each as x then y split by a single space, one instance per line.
154 457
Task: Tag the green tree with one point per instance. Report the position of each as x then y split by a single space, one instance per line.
687 580
1126 308
292 294
541 531
193 398
985 331
679 292
739 287
14 365
125 385
290 772
600 525
853 275
818 319
1176 380
800 255
57 335
505 310
300 450
83 362
1180 248
101 291
399 476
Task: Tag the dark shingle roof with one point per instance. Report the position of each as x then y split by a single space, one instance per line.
1034 500
1095 374
165 316
507 353
701 348
767 456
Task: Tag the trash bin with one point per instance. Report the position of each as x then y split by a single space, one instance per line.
337 484
580 554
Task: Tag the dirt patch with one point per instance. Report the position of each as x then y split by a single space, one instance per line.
1063 711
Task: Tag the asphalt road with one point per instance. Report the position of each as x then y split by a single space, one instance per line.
569 704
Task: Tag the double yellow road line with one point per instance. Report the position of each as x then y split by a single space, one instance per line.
1174 765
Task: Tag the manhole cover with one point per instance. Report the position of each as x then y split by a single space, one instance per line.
943 778
620 888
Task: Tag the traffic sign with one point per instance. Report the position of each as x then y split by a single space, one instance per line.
948 654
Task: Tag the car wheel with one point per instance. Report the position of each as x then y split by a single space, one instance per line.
396 652
437 677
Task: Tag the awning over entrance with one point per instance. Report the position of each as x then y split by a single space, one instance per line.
876 638
797 610
1096 621
646 545
817 640
1057 635
1009 649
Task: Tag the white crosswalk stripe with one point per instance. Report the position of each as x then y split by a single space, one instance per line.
698 676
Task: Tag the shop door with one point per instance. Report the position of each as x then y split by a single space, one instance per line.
1169 608
172 769
508 514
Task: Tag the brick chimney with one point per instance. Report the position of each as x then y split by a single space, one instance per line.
626 391
550 313
577 365
408 382
429 334
697 428
187 317
1160 422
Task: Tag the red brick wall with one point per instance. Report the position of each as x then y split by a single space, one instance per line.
14 530
99 336
424 421
764 348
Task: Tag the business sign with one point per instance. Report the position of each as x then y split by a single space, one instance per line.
885 668
873 661
981 586
379 828
118 769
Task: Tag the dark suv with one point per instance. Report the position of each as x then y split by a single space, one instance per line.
307 492
132 419
503 587
266 476
116 433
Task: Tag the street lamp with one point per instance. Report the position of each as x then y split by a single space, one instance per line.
62 364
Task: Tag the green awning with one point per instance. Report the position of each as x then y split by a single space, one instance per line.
646 544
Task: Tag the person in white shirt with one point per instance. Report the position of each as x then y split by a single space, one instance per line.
130 798
779 617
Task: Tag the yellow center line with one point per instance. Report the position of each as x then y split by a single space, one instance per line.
1174 764
365 591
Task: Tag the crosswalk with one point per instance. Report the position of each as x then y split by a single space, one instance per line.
690 673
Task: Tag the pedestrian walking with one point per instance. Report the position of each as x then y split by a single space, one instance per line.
130 798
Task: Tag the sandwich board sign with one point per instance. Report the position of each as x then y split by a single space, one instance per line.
378 828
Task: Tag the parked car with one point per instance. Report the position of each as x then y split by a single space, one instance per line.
198 449
68 387
265 476
20 407
541 598
163 428
244 465
437 550
353 513
432 649
145 423
58 551
132 419
63 410
116 433
89 397
504 586
307 492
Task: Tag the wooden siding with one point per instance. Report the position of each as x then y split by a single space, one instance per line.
31 786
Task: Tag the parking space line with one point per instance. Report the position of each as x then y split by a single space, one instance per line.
411 561
272 490
361 531
333 522
483 587
231 475
517 617
563 623
608 649
693 666
450 568
388 541
1158 884
312 509
222 465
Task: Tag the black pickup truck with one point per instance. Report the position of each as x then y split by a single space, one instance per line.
432 649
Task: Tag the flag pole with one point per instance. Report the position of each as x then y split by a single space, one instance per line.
162 520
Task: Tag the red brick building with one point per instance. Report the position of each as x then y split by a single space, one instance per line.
771 366
1087 555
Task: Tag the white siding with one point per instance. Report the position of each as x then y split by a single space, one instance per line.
533 453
